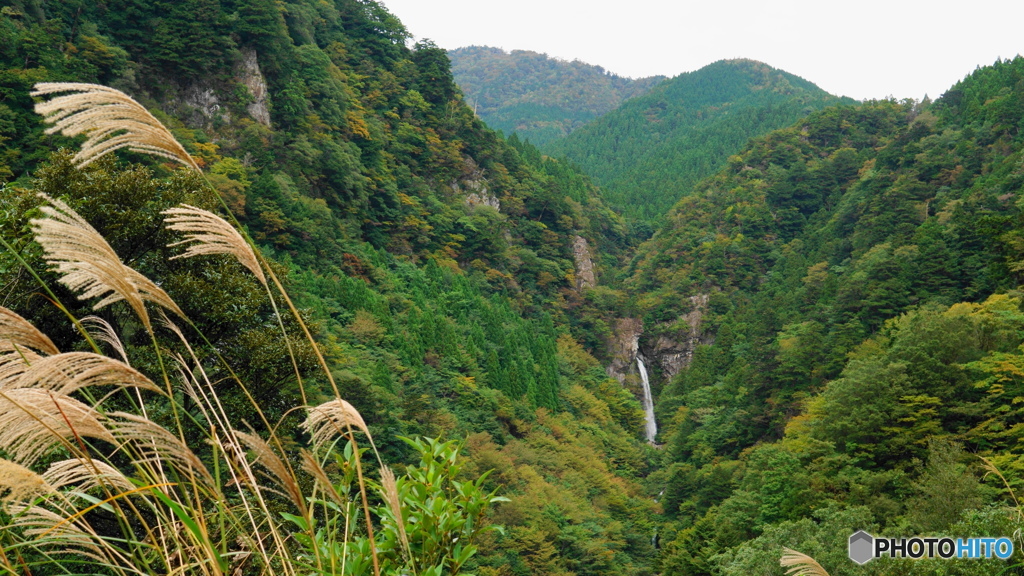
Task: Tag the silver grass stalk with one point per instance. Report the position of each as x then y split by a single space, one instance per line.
211 234
278 471
85 474
240 466
149 443
102 331
22 333
390 486
71 371
110 119
332 418
89 265
990 468
800 564
32 421
320 478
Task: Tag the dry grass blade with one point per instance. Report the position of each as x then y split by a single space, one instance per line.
211 234
71 371
148 442
22 333
390 486
102 331
800 564
279 472
89 265
85 474
151 292
332 418
310 465
32 421
110 118
990 468
19 484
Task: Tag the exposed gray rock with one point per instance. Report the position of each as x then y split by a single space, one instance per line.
204 104
623 347
474 182
584 263
673 352
250 76
484 198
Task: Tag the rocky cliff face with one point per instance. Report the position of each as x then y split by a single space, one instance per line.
623 347
201 102
584 263
250 76
671 350
474 182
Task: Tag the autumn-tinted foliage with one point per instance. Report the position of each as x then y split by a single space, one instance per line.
433 259
848 283
858 222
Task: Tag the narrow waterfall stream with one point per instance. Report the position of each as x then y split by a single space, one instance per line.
651 425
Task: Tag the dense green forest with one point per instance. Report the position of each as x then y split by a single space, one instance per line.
650 151
433 259
859 333
830 312
537 97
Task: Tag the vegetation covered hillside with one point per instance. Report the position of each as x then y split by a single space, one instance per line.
832 319
651 150
854 280
441 268
537 97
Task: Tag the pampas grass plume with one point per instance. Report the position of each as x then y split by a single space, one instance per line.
211 234
32 421
89 265
22 333
332 418
110 118
19 484
800 564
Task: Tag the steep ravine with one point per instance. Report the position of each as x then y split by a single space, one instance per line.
649 358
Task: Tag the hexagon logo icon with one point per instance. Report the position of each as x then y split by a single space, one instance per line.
862 547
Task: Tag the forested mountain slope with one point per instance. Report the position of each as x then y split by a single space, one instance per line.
833 319
849 289
651 150
441 266
537 97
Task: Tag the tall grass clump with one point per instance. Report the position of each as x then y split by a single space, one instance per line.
108 469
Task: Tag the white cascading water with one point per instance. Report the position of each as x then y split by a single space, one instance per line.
651 425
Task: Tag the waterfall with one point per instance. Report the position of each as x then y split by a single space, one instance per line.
650 424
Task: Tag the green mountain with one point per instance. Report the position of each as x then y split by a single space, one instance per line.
650 151
836 316
832 320
441 268
537 97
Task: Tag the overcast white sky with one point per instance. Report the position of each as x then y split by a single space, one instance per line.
858 48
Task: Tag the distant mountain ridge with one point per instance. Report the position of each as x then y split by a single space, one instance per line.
538 97
647 153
